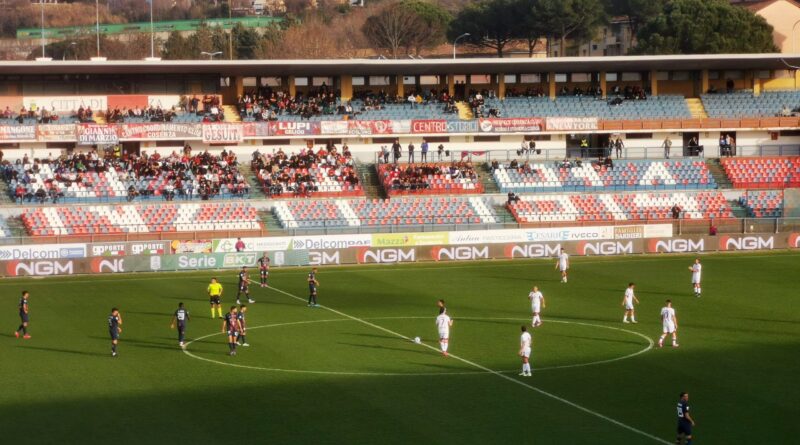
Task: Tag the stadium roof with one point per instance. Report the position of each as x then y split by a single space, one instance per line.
334 67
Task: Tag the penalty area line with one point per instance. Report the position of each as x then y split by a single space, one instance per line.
489 371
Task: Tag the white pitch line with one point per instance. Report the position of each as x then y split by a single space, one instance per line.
491 371
418 374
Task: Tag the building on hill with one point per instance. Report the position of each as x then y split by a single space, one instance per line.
784 16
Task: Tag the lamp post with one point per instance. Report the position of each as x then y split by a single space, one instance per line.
41 3
466 34
152 32
211 55
97 24
72 46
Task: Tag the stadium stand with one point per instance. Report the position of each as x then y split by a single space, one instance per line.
775 173
626 175
379 213
43 116
186 217
429 179
91 177
745 104
324 173
763 203
619 207
654 107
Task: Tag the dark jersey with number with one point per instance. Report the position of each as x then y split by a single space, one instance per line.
263 263
312 280
242 279
241 319
23 306
181 316
683 410
231 322
113 323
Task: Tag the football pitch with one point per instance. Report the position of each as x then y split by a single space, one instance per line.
348 373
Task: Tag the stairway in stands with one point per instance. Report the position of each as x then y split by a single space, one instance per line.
231 113
503 215
271 223
696 108
368 175
464 111
488 182
99 117
718 173
256 190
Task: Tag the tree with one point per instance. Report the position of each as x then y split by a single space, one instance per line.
637 12
531 28
245 41
435 19
575 19
704 27
488 23
176 47
394 27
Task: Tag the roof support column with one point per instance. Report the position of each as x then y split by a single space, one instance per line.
703 81
603 84
401 89
551 80
346 87
796 79
501 86
654 83
292 86
451 85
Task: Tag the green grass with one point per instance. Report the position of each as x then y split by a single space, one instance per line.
738 357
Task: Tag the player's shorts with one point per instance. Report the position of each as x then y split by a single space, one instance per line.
444 334
114 334
536 309
628 306
243 287
233 333
526 352
181 327
563 268
669 328
214 299
685 427
312 289
23 316
695 279
264 273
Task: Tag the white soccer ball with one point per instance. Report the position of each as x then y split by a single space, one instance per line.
417 340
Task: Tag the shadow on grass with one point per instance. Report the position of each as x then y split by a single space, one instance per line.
66 351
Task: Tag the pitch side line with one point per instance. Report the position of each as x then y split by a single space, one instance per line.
491 371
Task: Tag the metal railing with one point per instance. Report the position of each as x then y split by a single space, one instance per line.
680 227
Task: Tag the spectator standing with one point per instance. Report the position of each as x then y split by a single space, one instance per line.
410 152
667 147
239 245
385 154
424 150
396 148
440 151
618 146
676 211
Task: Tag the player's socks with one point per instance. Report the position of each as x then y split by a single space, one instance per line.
24 330
212 312
113 348
625 319
633 320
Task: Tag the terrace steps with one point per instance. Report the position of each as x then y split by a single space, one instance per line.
696 108
231 113
368 175
464 111
715 168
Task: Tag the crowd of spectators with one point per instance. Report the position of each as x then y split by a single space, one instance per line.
266 104
44 116
181 175
377 101
298 173
150 114
414 177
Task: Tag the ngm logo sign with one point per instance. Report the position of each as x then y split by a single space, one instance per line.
39 268
794 240
459 253
380 256
107 265
535 250
676 246
322 258
746 242
605 248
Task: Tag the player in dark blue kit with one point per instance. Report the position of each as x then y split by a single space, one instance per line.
685 420
312 288
23 316
244 286
231 328
180 318
242 325
263 267
114 329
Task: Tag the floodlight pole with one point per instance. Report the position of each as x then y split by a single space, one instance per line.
152 33
466 34
97 24
41 2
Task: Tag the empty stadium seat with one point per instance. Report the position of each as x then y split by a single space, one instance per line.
775 173
763 204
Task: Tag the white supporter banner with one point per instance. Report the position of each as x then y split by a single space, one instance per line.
67 104
560 234
318 242
571 123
